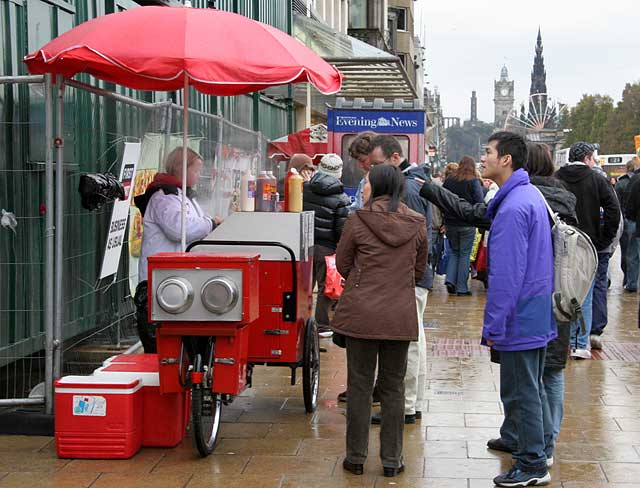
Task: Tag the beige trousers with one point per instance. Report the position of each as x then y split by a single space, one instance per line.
415 379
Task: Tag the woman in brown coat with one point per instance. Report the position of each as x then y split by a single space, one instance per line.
382 254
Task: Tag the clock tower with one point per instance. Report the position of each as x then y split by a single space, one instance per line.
503 98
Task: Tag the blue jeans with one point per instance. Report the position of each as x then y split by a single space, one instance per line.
576 332
553 379
600 314
631 255
461 240
523 396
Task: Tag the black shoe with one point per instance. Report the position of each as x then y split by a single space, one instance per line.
516 477
464 294
342 397
352 467
376 419
451 288
500 445
391 472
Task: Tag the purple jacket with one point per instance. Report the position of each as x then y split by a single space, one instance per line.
519 315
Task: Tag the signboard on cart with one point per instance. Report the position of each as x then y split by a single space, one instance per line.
120 214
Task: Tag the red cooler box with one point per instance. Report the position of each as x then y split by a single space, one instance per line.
98 417
165 416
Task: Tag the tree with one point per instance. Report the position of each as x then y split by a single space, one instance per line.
589 118
624 123
467 140
595 119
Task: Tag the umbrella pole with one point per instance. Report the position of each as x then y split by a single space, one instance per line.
185 126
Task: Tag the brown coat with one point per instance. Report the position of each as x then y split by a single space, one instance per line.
381 255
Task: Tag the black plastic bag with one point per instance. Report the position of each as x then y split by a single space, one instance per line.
96 189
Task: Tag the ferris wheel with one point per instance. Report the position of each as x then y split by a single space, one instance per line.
537 113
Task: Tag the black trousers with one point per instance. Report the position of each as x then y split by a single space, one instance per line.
391 357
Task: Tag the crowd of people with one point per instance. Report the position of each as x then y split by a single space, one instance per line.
381 251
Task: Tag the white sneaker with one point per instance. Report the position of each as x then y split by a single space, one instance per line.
596 341
549 462
581 354
325 333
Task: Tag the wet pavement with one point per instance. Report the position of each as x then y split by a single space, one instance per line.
268 440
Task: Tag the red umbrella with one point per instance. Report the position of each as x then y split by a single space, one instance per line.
158 48
168 48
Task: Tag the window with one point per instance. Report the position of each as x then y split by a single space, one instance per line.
358 14
401 17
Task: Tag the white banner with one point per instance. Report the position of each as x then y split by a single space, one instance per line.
120 213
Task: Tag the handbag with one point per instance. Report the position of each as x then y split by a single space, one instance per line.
441 268
333 283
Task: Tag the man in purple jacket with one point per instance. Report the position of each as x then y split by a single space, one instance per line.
518 319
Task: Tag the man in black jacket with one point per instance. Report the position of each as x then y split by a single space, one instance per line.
629 244
599 217
387 150
324 194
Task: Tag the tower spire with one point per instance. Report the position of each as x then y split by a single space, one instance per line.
538 91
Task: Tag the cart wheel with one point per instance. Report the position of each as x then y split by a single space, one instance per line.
311 366
206 408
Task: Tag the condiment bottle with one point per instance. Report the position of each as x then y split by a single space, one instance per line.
263 192
293 191
247 192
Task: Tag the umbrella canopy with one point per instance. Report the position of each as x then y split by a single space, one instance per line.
154 48
311 141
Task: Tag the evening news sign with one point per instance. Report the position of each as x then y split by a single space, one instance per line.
380 121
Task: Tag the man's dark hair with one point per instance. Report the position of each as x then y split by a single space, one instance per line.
386 180
361 145
512 144
388 144
539 162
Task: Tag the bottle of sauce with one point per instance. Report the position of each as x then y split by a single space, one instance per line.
247 192
293 191
263 192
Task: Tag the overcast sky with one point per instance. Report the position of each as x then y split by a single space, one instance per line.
589 47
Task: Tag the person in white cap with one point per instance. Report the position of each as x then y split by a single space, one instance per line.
324 194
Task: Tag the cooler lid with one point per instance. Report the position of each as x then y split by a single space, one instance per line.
120 382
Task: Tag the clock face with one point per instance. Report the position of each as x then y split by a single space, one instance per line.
504 92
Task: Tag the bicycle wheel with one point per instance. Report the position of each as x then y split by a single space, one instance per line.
206 408
311 366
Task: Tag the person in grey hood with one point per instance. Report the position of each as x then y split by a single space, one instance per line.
324 194
563 202
387 150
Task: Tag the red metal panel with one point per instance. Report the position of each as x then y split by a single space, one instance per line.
230 368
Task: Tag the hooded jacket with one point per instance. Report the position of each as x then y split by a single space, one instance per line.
518 313
415 202
161 207
324 194
381 255
592 192
561 201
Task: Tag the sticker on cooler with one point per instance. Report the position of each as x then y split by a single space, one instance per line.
89 406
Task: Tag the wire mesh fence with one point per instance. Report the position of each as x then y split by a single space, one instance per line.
97 314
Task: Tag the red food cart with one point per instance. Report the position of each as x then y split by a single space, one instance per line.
240 298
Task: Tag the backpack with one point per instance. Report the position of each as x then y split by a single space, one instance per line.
575 261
